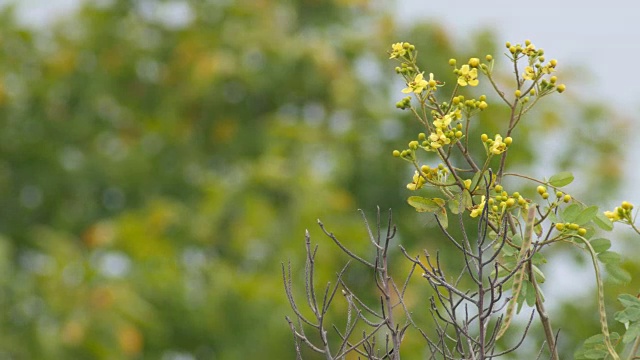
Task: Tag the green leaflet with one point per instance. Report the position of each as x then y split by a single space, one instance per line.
561 179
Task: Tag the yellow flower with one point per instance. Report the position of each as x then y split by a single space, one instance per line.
467 76
418 182
498 146
547 69
529 50
417 85
477 210
442 123
397 50
438 139
529 73
612 215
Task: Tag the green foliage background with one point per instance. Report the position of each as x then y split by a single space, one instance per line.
154 174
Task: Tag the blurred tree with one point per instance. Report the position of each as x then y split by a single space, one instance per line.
158 159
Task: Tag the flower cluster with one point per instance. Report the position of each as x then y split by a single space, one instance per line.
496 146
419 84
438 174
621 213
399 50
499 203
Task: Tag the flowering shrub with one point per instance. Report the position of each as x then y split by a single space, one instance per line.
502 270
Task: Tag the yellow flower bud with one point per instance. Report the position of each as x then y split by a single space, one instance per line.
458 134
425 168
508 140
474 62
452 62
482 97
582 231
559 194
532 92
553 79
541 189
498 188
512 49
527 42
467 184
559 226
396 153
511 202
573 226
545 196
518 93
508 44
627 205
413 145
553 62
561 88
483 105
484 137
488 57
566 198
422 136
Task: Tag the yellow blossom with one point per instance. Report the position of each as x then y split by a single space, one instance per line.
467 76
438 139
477 210
498 146
442 123
529 50
397 50
612 215
417 85
529 73
547 69
418 182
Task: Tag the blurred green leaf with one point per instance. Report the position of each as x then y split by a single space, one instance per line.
561 179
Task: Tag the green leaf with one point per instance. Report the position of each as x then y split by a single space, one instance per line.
571 212
442 217
475 180
516 240
586 215
628 300
630 314
540 278
529 293
600 245
595 347
538 259
561 179
426 205
603 222
632 333
617 274
609 257
466 198
454 206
